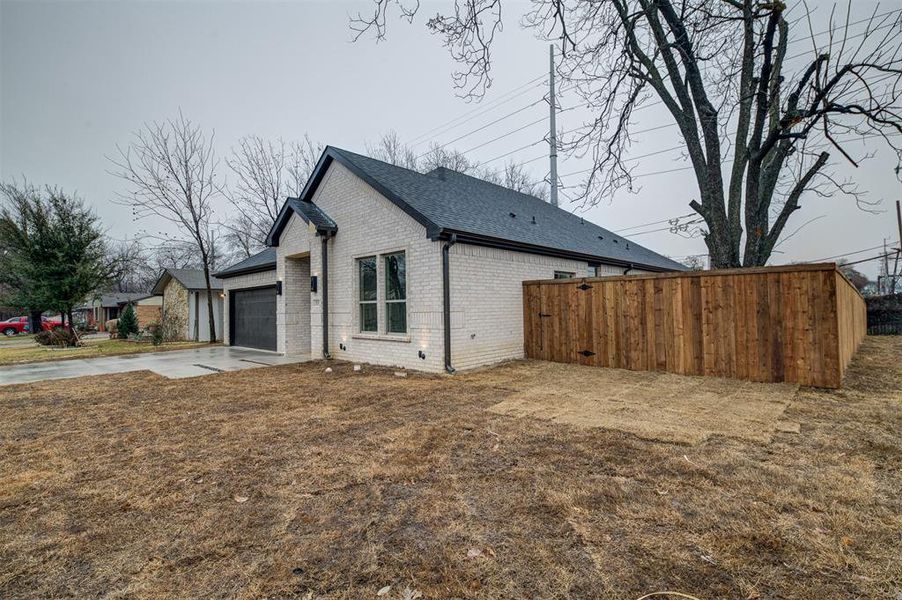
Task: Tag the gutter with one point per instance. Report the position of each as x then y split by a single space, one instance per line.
491 242
446 299
325 256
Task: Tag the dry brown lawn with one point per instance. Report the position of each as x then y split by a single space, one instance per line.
290 482
654 406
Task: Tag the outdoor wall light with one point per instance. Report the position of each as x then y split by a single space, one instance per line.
279 288
422 355
313 284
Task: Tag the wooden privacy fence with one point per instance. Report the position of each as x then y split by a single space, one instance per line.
799 323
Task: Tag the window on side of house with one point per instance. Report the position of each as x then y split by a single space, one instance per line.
366 282
395 292
564 275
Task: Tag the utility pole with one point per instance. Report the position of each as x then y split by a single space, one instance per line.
552 137
899 222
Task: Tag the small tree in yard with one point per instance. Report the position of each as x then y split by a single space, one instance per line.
170 168
52 252
128 323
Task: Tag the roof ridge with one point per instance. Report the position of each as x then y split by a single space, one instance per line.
497 185
385 162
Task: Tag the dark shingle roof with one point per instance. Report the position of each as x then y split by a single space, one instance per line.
446 201
262 261
192 279
115 299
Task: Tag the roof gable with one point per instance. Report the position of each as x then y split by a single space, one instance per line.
190 279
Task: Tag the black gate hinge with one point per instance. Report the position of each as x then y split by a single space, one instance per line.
587 353
541 314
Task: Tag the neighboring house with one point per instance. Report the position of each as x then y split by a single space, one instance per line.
106 307
184 294
380 264
148 310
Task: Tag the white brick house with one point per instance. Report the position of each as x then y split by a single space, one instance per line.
422 271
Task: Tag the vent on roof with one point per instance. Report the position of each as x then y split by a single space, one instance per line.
601 237
533 219
513 215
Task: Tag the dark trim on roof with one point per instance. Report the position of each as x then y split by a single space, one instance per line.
319 172
256 263
478 240
228 274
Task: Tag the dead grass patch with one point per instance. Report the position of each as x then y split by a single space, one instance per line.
126 485
654 406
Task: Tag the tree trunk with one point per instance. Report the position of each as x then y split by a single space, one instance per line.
210 303
34 320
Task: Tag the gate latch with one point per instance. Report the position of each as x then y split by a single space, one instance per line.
541 314
584 287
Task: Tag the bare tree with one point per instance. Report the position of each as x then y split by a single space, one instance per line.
391 149
266 172
756 132
170 168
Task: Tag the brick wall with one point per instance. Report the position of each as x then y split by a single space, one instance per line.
487 300
369 224
148 314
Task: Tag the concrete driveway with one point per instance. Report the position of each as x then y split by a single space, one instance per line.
173 364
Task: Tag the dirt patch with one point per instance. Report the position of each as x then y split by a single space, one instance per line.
133 485
654 406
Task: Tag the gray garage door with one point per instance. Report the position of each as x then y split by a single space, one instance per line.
253 318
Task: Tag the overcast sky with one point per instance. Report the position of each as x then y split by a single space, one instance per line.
77 78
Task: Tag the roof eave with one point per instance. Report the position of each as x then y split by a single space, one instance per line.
482 240
245 271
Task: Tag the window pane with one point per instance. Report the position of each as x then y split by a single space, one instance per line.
368 317
395 277
396 317
564 275
367 270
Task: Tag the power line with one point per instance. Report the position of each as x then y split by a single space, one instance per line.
864 260
681 227
506 154
487 125
654 222
846 254
482 109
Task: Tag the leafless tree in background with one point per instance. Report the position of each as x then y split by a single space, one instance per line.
757 132
170 168
391 149
265 173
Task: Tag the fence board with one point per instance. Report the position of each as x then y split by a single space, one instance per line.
800 323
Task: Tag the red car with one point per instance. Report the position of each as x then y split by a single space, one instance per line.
49 324
14 326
